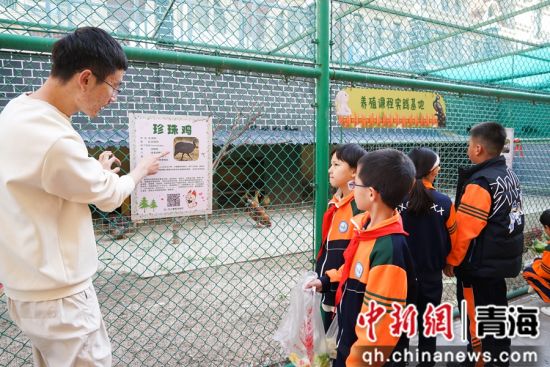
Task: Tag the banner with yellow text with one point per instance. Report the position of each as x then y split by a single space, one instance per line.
369 107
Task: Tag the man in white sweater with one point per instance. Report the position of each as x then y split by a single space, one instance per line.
47 181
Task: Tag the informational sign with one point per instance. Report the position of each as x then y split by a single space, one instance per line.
368 107
508 150
183 185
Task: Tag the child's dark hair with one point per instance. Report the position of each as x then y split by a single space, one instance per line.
545 218
492 136
87 48
388 171
349 153
425 160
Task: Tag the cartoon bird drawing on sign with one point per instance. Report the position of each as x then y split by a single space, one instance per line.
439 111
256 210
342 104
191 198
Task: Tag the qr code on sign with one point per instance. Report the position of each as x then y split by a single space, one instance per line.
173 200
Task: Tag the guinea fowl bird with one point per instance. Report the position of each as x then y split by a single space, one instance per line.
256 210
185 147
441 118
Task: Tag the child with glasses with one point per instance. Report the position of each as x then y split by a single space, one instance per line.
429 218
337 229
378 272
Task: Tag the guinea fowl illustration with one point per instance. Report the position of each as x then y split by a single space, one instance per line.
185 147
441 118
256 210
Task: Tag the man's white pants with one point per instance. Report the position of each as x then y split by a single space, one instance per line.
64 332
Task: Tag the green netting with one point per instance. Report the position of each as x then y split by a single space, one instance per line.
203 290
210 290
531 160
502 43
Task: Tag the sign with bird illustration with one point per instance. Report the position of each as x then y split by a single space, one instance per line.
183 185
370 107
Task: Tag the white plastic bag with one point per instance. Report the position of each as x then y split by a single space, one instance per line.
301 332
332 334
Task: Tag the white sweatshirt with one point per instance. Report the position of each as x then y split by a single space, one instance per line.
47 244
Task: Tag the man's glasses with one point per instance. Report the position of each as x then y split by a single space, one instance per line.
352 185
116 91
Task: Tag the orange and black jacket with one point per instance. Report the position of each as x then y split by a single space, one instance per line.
337 235
431 234
381 269
490 222
542 266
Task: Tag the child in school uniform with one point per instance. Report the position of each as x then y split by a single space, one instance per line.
337 229
429 218
378 266
489 240
537 274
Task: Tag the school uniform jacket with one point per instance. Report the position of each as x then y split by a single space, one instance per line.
542 266
431 234
339 233
381 270
490 221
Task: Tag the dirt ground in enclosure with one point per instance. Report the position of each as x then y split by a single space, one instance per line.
221 316
218 315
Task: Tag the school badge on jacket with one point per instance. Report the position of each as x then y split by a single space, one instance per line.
358 270
343 226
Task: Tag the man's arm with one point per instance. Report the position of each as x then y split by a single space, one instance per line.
68 172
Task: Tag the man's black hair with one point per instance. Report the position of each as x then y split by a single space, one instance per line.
491 135
349 153
388 171
87 48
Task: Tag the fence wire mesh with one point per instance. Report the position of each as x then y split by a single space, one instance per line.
211 290
531 152
268 29
206 290
502 43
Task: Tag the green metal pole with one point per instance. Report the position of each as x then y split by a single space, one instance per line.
310 31
178 45
437 86
452 34
323 117
521 53
437 22
39 44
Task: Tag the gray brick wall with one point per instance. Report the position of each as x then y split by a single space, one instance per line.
172 89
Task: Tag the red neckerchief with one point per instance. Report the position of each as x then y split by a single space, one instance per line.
396 227
333 205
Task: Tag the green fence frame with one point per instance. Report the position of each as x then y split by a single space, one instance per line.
320 69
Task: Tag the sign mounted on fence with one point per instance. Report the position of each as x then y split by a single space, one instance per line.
368 107
183 185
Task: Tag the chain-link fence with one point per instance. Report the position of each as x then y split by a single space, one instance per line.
211 290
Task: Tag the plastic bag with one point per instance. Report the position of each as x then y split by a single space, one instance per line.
331 337
301 332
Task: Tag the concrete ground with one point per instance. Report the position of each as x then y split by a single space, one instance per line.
541 343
